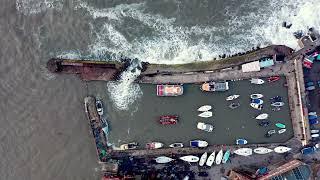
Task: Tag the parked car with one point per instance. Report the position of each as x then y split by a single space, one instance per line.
308 150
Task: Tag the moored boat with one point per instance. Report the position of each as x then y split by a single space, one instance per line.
256 106
205 108
262 116
198 143
190 158
256 96
281 149
277 104
215 86
169 90
257 81
203 159
132 145
168 119
205 127
99 107
234 105
264 123
219 157
262 150
206 114
163 159
232 97
280 125
257 101
270 132
226 156
314 131
273 78
176 145
210 159
276 99
154 145
314 135
281 131
241 141
243 151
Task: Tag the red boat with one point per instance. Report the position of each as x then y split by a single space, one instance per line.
273 78
168 119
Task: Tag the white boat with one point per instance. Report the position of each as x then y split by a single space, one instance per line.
190 158
277 104
176 145
262 116
256 96
257 81
210 159
262 150
203 159
206 114
99 107
232 97
219 157
314 135
314 131
281 131
312 113
281 149
256 106
243 151
205 127
205 108
154 145
198 143
163 159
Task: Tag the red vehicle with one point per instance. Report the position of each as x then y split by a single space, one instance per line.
168 119
273 78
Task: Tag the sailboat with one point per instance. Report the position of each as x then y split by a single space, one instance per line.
219 157
210 159
204 108
226 156
203 159
262 116
262 150
232 97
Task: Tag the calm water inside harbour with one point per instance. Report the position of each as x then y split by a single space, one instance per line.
142 125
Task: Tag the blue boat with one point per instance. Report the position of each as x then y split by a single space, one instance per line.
257 101
198 143
241 141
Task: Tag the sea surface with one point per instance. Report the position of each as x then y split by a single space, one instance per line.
44 133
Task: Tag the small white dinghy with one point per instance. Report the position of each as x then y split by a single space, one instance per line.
204 108
262 150
256 96
281 149
206 114
190 158
203 159
256 106
314 131
243 151
163 159
210 159
262 116
314 135
257 81
232 97
281 131
219 157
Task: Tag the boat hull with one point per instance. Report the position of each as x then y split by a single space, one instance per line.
256 106
203 159
198 143
205 114
281 149
219 157
210 159
243 151
262 150
262 116
256 96
163 159
190 158
154 145
226 157
241 141
205 108
176 145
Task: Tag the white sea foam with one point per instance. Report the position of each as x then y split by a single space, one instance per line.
28 7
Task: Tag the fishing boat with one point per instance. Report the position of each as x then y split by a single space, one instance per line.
257 101
277 104
163 159
281 131
99 107
206 114
205 127
257 81
256 106
241 141
264 123
198 143
281 149
203 159
232 97
219 157
215 86
132 145
262 150
243 151
273 78
190 158
154 145
314 135
168 119
210 159
176 145
234 105
205 108
262 116
314 131
279 125
226 156
256 96
169 90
